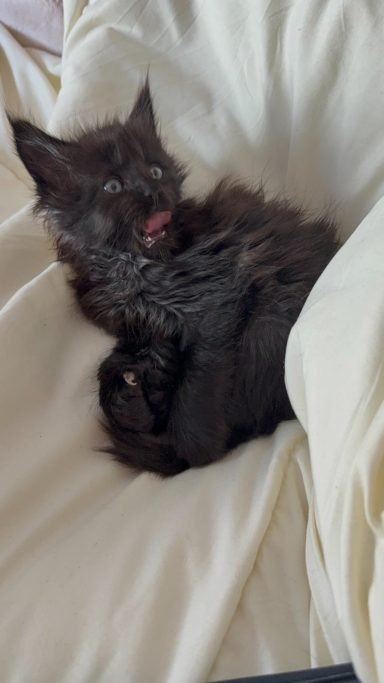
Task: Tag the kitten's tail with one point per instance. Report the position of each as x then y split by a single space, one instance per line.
143 452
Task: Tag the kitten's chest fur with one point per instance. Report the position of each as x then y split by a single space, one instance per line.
239 256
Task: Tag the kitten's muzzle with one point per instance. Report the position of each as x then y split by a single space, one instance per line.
143 187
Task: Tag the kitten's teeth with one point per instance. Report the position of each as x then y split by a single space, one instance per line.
150 241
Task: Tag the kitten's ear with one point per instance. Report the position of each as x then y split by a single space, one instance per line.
45 157
143 107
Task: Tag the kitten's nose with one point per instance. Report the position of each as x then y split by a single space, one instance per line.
143 187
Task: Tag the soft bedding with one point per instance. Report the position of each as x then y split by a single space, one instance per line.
35 24
271 559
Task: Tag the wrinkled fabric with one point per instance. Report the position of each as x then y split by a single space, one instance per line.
271 559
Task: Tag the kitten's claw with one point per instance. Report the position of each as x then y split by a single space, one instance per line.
130 378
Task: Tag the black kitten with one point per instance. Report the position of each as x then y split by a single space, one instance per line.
220 281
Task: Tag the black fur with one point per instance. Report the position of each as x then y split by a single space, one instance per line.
203 316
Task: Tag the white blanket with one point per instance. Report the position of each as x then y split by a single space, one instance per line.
273 558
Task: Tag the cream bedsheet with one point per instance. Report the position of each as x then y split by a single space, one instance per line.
273 558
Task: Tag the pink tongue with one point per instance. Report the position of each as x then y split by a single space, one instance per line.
157 222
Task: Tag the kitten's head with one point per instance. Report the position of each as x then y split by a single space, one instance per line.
111 186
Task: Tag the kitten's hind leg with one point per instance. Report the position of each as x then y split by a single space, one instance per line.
197 432
259 399
197 427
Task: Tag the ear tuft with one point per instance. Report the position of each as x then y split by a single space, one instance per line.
44 156
143 106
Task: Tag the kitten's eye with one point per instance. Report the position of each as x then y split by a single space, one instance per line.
156 172
113 186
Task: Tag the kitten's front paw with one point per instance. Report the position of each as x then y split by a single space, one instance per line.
136 386
121 396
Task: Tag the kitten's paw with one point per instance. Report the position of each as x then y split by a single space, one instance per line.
136 387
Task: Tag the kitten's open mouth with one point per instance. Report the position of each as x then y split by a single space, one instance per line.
155 227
